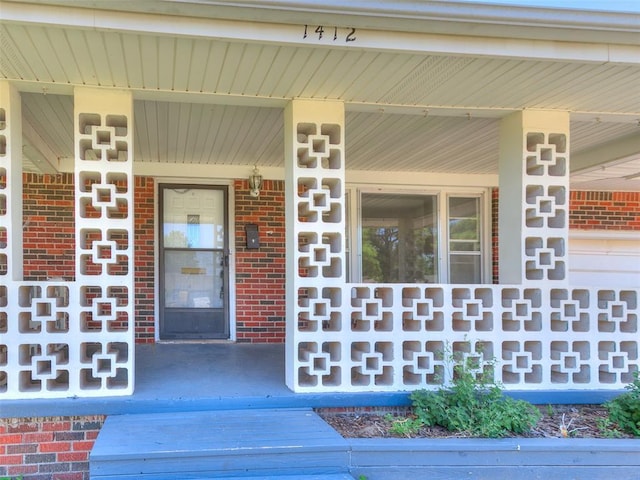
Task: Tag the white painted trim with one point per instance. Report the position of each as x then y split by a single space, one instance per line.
167 172
231 223
371 179
203 173
486 18
630 235
156 261
396 38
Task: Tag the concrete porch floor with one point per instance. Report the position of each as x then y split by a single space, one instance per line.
202 376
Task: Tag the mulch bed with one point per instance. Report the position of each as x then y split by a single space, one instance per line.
581 421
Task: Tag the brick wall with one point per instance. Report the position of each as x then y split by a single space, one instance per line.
260 273
604 210
144 211
53 448
494 236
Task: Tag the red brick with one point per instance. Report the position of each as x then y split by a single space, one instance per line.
55 447
22 470
23 427
22 448
82 456
7 439
11 459
68 476
82 446
55 426
39 437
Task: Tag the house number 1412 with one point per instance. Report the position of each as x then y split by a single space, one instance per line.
329 33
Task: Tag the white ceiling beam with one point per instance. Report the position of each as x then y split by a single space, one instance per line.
614 151
173 96
292 34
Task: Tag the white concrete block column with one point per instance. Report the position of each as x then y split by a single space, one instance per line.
104 182
315 221
534 198
11 256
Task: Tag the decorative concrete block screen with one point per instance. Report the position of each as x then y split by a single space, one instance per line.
74 337
402 337
546 206
541 335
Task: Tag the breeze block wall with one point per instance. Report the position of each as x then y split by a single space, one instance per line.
49 251
260 276
51 448
260 273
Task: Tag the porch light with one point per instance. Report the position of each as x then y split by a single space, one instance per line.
255 182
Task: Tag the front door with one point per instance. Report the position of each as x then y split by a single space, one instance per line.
193 262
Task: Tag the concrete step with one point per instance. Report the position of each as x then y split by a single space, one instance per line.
219 444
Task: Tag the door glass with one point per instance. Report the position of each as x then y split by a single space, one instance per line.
193 279
193 218
465 259
399 238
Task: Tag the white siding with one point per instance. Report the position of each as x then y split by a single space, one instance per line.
601 259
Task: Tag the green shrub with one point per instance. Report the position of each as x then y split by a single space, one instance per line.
470 406
624 410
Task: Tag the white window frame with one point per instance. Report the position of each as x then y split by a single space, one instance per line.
353 240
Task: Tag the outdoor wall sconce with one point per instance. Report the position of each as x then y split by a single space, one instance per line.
255 182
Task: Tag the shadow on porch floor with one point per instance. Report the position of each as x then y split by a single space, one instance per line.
202 376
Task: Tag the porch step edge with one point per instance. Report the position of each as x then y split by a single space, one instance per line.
240 443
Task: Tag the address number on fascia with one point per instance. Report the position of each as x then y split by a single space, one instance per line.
329 33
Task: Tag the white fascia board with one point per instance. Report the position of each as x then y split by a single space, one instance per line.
557 20
292 34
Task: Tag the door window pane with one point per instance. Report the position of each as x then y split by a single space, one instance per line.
193 279
464 268
193 218
399 238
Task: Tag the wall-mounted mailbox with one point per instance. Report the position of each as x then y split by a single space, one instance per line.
253 238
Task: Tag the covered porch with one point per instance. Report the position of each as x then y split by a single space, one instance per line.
215 376
183 377
448 112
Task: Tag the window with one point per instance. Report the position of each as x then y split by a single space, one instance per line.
465 255
418 238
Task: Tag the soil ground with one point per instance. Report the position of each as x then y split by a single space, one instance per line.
581 421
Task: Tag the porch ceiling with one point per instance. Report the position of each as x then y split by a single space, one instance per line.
218 101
